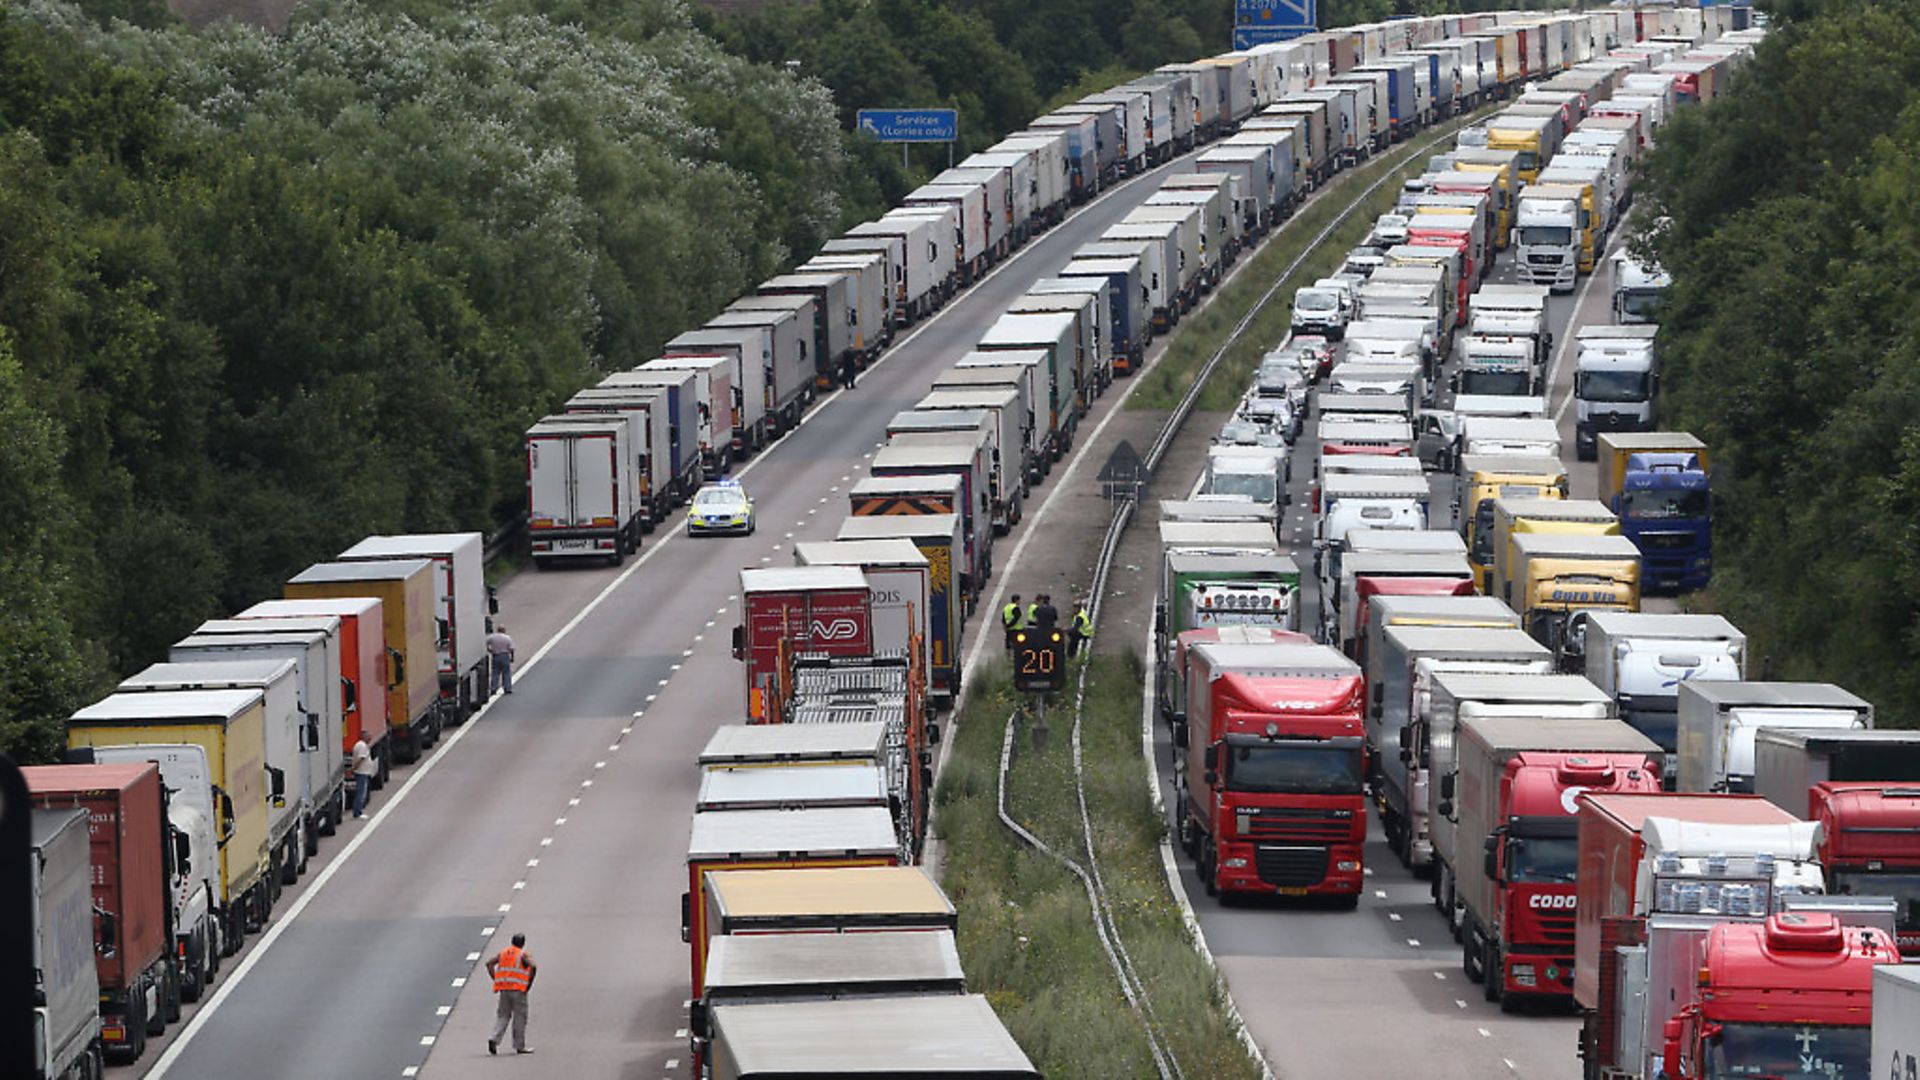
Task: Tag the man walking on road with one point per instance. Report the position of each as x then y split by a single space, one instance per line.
1012 619
1080 632
363 772
500 657
513 970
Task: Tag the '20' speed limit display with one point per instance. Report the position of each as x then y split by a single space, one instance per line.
1039 661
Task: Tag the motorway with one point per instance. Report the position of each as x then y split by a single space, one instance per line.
1380 990
562 811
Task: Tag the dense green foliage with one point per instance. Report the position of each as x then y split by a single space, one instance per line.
261 296
1791 341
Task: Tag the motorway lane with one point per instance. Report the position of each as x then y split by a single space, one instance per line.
377 944
1392 966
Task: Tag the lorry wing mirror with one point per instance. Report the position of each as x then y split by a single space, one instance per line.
933 734
349 696
1210 758
686 917
277 785
182 854
226 814
493 600
396 669
1211 778
1446 786
1180 734
1490 857
108 932
697 1019
1379 695
312 732
739 642
1406 738
1446 809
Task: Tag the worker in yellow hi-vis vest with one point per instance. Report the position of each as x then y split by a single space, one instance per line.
1080 632
1013 618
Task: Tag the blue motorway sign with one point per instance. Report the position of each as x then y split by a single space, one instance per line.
910 125
1258 21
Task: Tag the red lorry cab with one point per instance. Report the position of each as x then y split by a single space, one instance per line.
802 609
1367 587
1272 789
1788 997
1870 846
132 896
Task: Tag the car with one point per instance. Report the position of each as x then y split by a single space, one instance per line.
1391 229
720 507
1319 349
1363 261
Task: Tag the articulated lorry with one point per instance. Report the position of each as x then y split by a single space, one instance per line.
1655 870
1658 482
1271 797
465 608
1639 659
405 589
1207 590
1512 804
1613 383
66 1011
1553 576
1400 676
1719 720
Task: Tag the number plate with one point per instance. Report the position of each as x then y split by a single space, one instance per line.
581 544
1292 890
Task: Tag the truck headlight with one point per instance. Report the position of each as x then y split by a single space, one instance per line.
1234 863
1346 866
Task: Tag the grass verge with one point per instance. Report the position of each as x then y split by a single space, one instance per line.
1026 930
1201 334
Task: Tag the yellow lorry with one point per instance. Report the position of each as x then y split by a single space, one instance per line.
410 610
1563 517
1530 137
211 746
1557 575
1500 164
1487 477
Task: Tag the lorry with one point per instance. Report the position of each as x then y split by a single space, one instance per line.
898 583
1789 762
1513 803
1056 334
1257 474
1515 516
711 393
1637 287
730 840
211 749
291 732
1660 484
939 540
1896 1018
1546 235
1366 574
1363 501
363 670
1496 364
1400 673
824 609
1129 304
1656 867
1718 721
1455 697
465 608
1487 478
1613 382
66 988
1010 426
1639 659
1555 575
948 1035
1270 796
584 497
133 851
788 374
687 434
962 454
743 969
645 462
1209 590
1870 845
404 588
748 351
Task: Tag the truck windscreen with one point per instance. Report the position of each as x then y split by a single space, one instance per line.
1254 486
1294 768
1546 859
1506 383
1788 1052
1666 505
1904 887
1546 235
1613 385
1641 304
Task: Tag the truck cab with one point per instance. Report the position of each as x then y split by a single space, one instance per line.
1870 846
1546 233
1486 478
1272 792
1613 383
1557 575
1639 659
1496 364
1637 287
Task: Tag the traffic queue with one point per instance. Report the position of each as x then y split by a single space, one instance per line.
201 786
1713 871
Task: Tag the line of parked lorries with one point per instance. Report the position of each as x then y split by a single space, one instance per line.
811 814
199 789
1721 875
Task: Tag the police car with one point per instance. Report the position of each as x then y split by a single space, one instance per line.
720 507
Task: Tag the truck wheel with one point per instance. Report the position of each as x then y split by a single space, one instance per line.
310 847
1187 834
619 552
169 995
289 862
1208 881
1491 966
276 872
1471 960
196 964
136 1021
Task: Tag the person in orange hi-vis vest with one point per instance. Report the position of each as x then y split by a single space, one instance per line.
513 970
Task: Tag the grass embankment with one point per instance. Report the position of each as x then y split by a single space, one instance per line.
1200 335
1026 930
